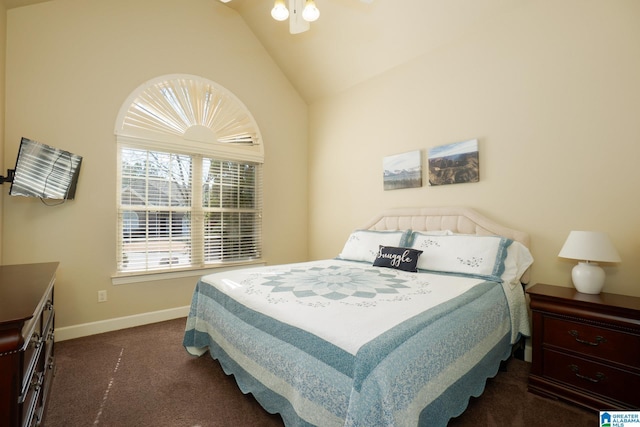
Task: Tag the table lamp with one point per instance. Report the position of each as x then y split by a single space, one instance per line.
589 247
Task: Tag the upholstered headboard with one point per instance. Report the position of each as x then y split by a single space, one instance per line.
455 219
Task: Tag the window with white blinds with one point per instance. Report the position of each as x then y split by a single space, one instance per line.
189 202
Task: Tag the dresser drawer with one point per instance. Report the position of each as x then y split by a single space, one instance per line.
594 341
31 401
31 357
593 377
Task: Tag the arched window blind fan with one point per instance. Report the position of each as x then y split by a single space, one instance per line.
189 177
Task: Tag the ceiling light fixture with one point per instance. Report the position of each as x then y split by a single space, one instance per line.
310 12
279 11
299 12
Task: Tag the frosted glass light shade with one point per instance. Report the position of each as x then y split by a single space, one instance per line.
310 12
279 11
588 246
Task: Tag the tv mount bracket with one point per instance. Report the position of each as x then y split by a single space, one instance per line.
9 177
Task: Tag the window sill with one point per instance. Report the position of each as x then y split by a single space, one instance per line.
123 278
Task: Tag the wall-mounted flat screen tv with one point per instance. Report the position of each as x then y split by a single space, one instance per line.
45 172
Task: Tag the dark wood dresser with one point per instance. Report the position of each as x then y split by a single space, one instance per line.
26 342
586 348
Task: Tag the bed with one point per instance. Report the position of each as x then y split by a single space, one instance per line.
401 328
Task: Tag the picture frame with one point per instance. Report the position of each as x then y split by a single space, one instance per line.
456 163
402 170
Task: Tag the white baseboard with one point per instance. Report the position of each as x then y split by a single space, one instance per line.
86 329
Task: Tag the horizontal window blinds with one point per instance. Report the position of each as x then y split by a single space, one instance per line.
189 177
164 225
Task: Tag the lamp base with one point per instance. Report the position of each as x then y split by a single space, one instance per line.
588 277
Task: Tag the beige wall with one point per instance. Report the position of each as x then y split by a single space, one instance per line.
70 66
552 92
3 35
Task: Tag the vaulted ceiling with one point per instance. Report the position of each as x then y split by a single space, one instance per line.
354 41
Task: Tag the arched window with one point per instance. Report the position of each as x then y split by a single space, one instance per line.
189 181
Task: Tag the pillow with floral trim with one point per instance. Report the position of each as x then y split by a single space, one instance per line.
405 259
363 245
467 254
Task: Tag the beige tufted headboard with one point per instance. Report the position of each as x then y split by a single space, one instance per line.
456 219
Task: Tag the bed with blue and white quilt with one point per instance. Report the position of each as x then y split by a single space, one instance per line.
400 329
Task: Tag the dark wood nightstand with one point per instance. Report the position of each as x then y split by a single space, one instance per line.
586 348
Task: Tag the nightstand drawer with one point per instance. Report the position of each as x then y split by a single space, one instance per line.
603 343
585 348
593 377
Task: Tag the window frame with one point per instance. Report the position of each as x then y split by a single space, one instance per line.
197 137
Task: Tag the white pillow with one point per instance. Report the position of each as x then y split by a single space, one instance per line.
435 232
518 260
363 245
471 255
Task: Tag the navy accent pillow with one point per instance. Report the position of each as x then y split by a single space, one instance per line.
405 259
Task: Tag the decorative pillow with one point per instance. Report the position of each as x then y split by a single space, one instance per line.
405 259
363 245
471 255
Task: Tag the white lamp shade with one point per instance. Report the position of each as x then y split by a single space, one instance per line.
589 246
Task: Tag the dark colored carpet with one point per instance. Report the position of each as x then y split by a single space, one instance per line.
142 377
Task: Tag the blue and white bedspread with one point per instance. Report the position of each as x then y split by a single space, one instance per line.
341 343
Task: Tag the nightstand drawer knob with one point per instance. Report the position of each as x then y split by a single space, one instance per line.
599 375
599 339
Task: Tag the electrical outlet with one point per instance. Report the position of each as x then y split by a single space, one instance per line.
102 296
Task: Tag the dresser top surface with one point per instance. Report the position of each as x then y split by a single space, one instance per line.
22 287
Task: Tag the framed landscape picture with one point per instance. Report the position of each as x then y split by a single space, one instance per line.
454 163
402 170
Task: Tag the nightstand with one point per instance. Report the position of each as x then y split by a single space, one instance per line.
586 348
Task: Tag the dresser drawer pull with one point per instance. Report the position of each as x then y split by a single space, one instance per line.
599 375
599 339
36 340
36 382
50 364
